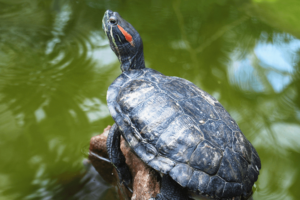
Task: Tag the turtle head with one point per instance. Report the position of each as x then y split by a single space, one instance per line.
124 40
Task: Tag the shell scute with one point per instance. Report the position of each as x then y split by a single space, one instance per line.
246 186
255 158
181 173
114 111
206 158
230 169
243 164
177 90
112 93
199 182
155 76
144 151
180 139
218 133
194 181
156 128
241 145
252 174
199 109
232 189
210 99
162 164
134 93
130 138
225 116
215 187
148 122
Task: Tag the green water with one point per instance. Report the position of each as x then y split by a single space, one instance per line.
56 65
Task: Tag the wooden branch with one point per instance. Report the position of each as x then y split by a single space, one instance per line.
145 184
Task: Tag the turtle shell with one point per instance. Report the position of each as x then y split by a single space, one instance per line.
178 129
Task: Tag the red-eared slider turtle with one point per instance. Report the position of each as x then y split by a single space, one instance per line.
174 127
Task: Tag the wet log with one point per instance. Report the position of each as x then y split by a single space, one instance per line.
144 179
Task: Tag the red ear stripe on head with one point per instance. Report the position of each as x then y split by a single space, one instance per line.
127 36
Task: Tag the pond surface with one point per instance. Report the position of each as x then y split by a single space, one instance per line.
56 66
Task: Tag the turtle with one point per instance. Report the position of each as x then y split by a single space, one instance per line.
174 127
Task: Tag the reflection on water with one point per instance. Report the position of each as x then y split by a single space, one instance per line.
274 61
56 65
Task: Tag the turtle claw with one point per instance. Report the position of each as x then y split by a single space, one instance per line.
128 188
124 176
126 180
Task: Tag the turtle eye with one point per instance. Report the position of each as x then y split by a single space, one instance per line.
113 20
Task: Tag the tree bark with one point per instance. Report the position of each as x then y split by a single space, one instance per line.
144 179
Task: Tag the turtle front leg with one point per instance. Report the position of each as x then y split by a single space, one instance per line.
171 190
116 156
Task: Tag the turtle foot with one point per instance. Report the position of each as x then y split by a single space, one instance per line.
116 156
171 190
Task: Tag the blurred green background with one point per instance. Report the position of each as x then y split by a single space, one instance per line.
56 66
